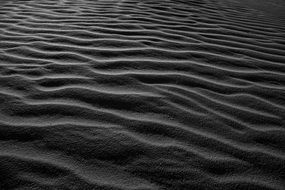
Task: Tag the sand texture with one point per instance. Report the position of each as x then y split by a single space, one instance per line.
142 95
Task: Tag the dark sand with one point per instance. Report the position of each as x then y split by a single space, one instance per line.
142 94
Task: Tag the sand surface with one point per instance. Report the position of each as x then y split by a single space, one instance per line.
142 95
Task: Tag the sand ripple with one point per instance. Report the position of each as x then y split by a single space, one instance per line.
142 94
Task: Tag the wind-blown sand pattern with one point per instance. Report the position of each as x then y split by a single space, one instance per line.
142 94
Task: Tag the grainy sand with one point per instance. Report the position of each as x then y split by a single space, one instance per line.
142 94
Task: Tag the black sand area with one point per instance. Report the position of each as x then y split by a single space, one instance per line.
142 95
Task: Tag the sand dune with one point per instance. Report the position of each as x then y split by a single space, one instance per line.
141 94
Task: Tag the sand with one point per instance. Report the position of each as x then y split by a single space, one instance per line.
142 95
